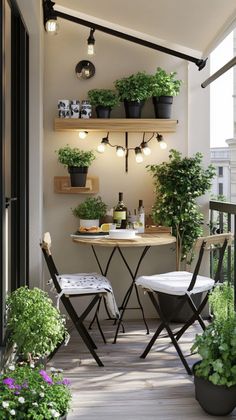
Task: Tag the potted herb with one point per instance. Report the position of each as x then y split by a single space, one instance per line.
103 100
134 90
215 374
34 325
90 211
164 86
77 161
178 183
32 393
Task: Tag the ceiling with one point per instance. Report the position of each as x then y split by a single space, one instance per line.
191 25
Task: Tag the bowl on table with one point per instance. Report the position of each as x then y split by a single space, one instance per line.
122 234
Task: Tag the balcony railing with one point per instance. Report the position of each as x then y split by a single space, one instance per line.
223 219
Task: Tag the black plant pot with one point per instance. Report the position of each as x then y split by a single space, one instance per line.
133 109
103 111
78 176
169 302
217 400
162 106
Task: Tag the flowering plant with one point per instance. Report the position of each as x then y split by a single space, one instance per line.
32 393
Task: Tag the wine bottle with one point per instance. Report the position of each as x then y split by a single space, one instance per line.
120 213
141 217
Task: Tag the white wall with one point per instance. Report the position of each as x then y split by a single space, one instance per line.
114 59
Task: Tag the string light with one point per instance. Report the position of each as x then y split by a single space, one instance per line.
102 146
138 155
140 151
91 43
83 134
161 141
120 151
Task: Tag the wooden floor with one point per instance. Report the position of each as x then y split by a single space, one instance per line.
129 387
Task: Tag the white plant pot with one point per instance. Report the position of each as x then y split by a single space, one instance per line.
89 223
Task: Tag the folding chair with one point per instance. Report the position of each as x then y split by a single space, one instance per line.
76 285
183 285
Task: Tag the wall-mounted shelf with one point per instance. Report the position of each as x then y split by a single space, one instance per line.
62 186
148 125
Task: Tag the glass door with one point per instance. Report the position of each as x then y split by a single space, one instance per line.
13 154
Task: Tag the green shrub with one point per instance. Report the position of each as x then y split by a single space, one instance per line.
92 208
103 97
136 87
165 84
75 157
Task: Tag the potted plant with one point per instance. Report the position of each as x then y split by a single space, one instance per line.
164 86
32 393
215 374
178 183
134 90
77 161
34 326
104 100
90 211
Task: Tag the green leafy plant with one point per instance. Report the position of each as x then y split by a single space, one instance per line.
32 393
217 344
136 87
34 325
75 157
165 84
103 97
177 184
92 208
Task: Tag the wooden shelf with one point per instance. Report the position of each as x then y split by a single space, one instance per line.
62 186
116 125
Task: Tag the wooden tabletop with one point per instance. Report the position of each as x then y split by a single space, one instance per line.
141 240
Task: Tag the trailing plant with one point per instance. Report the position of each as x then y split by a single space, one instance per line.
32 393
177 185
217 344
135 87
92 208
165 84
103 97
75 157
34 325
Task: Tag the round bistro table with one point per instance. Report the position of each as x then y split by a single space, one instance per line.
146 241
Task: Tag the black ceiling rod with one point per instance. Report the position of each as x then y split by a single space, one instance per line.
219 72
200 63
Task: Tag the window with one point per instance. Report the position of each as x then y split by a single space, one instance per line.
220 188
220 171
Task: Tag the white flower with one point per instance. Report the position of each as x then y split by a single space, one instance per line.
12 412
35 404
41 394
5 404
11 367
52 369
51 404
21 400
55 413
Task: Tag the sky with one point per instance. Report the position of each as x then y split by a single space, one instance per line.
221 95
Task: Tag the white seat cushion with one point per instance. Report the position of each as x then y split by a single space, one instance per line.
175 283
84 283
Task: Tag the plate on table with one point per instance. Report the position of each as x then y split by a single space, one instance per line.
79 234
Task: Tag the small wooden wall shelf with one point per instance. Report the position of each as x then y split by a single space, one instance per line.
62 186
130 125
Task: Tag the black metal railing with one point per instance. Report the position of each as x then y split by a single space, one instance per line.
223 219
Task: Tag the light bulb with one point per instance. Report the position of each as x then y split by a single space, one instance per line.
83 134
52 26
138 155
163 145
91 49
120 151
146 151
101 148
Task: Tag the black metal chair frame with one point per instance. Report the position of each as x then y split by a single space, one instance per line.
196 316
75 318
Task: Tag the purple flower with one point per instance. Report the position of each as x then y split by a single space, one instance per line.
8 381
66 381
46 377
